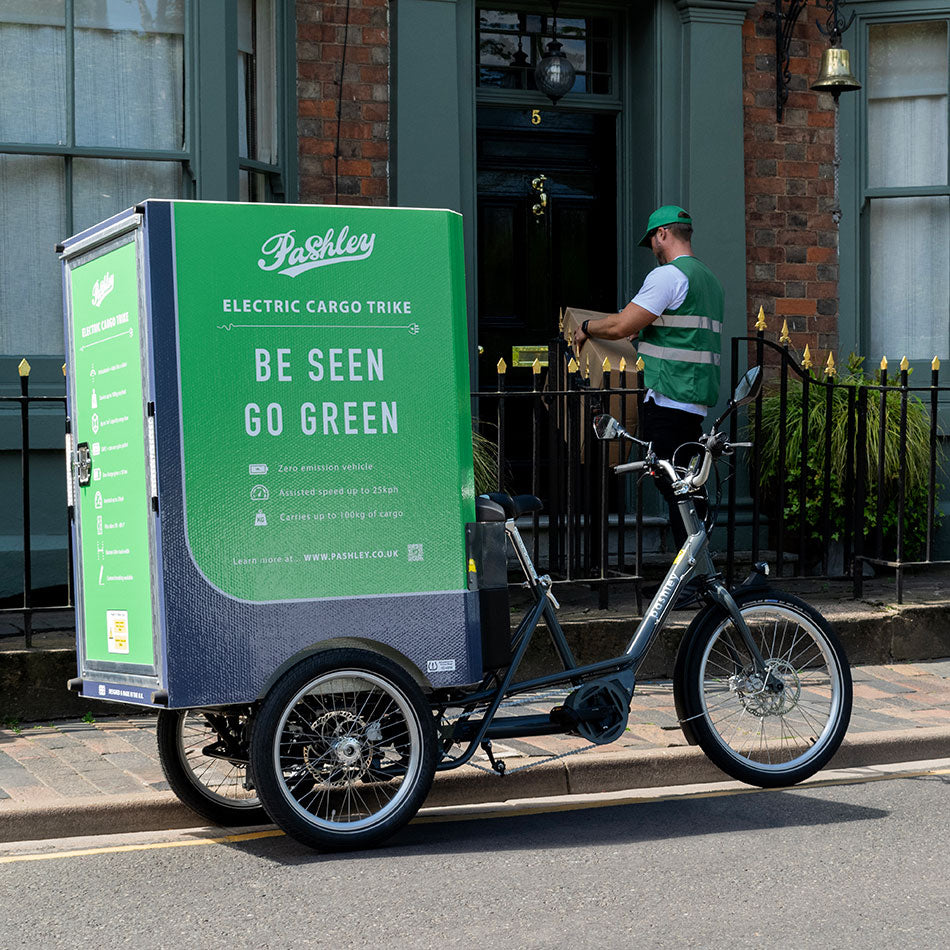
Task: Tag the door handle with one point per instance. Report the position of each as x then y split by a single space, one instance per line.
542 204
83 464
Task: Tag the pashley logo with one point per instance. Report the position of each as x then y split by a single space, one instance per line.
102 288
283 254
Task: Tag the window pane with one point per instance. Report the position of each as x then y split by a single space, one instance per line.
103 188
910 277
511 44
907 104
130 73
257 80
32 209
33 72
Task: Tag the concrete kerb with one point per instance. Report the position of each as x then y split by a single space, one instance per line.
574 775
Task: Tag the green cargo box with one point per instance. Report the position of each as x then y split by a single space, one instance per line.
270 446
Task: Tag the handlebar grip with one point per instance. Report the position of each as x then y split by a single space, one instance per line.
629 467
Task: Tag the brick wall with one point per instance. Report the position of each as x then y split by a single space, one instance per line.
791 238
358 172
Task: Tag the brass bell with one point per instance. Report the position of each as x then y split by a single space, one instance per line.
835 75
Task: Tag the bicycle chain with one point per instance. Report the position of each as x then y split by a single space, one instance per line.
533 699
531 765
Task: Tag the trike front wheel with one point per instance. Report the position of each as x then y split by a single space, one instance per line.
766 730
343 750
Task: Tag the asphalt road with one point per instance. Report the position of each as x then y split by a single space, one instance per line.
853 864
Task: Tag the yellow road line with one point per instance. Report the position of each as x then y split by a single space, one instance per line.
118 849
515 811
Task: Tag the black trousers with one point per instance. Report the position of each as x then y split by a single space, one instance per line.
668 429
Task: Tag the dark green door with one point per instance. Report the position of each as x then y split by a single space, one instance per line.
547 235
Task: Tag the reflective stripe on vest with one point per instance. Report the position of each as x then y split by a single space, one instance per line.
689 321
676 353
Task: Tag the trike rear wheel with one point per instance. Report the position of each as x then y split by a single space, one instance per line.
203 754
343 750
773 733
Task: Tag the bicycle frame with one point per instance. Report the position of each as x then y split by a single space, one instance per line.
693 560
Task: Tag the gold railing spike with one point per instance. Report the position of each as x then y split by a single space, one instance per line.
785 338
905 364
935 364
806 357
536 367
587 367
24 368
760 323
572 366
502 367
560 320
64 369
830 369
623 364
606 364
883 362
641 366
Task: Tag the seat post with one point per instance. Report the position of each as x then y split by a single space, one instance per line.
527 565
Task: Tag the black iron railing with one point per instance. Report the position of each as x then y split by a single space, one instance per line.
26 608
819 494
832 499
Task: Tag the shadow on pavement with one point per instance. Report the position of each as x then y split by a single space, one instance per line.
591 827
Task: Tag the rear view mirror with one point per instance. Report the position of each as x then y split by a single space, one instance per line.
606 428
748 387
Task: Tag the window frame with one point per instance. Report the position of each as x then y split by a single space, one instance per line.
211 168
856 195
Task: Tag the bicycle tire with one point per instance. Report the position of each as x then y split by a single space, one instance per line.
343 750
213 787
757 735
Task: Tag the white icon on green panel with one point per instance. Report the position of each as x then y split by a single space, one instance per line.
95 401
98 524
95 422
96 448
259 493
260 520
257 469
98 499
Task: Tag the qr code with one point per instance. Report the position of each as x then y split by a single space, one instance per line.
415 552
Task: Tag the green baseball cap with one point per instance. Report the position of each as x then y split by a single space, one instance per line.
668 214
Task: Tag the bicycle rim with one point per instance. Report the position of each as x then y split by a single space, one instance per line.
770 731
220 780
348 751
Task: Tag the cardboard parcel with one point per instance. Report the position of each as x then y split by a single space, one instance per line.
591 360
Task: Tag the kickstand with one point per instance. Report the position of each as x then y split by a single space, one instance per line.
497 764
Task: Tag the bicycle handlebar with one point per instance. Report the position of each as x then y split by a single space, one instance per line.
714 445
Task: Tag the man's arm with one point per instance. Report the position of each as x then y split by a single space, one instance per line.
618 326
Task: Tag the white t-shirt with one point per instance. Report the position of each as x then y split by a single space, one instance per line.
665 288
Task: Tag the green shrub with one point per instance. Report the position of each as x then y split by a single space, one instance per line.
913 457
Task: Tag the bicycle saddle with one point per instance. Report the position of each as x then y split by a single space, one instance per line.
517 506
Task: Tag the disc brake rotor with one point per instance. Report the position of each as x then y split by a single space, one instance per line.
341 749
758 699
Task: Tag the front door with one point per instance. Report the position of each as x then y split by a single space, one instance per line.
547 234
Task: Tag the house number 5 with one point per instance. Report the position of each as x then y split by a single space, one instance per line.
535 116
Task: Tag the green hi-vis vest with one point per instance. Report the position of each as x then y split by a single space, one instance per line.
681 348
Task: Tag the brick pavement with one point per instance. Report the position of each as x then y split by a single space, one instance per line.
44 765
